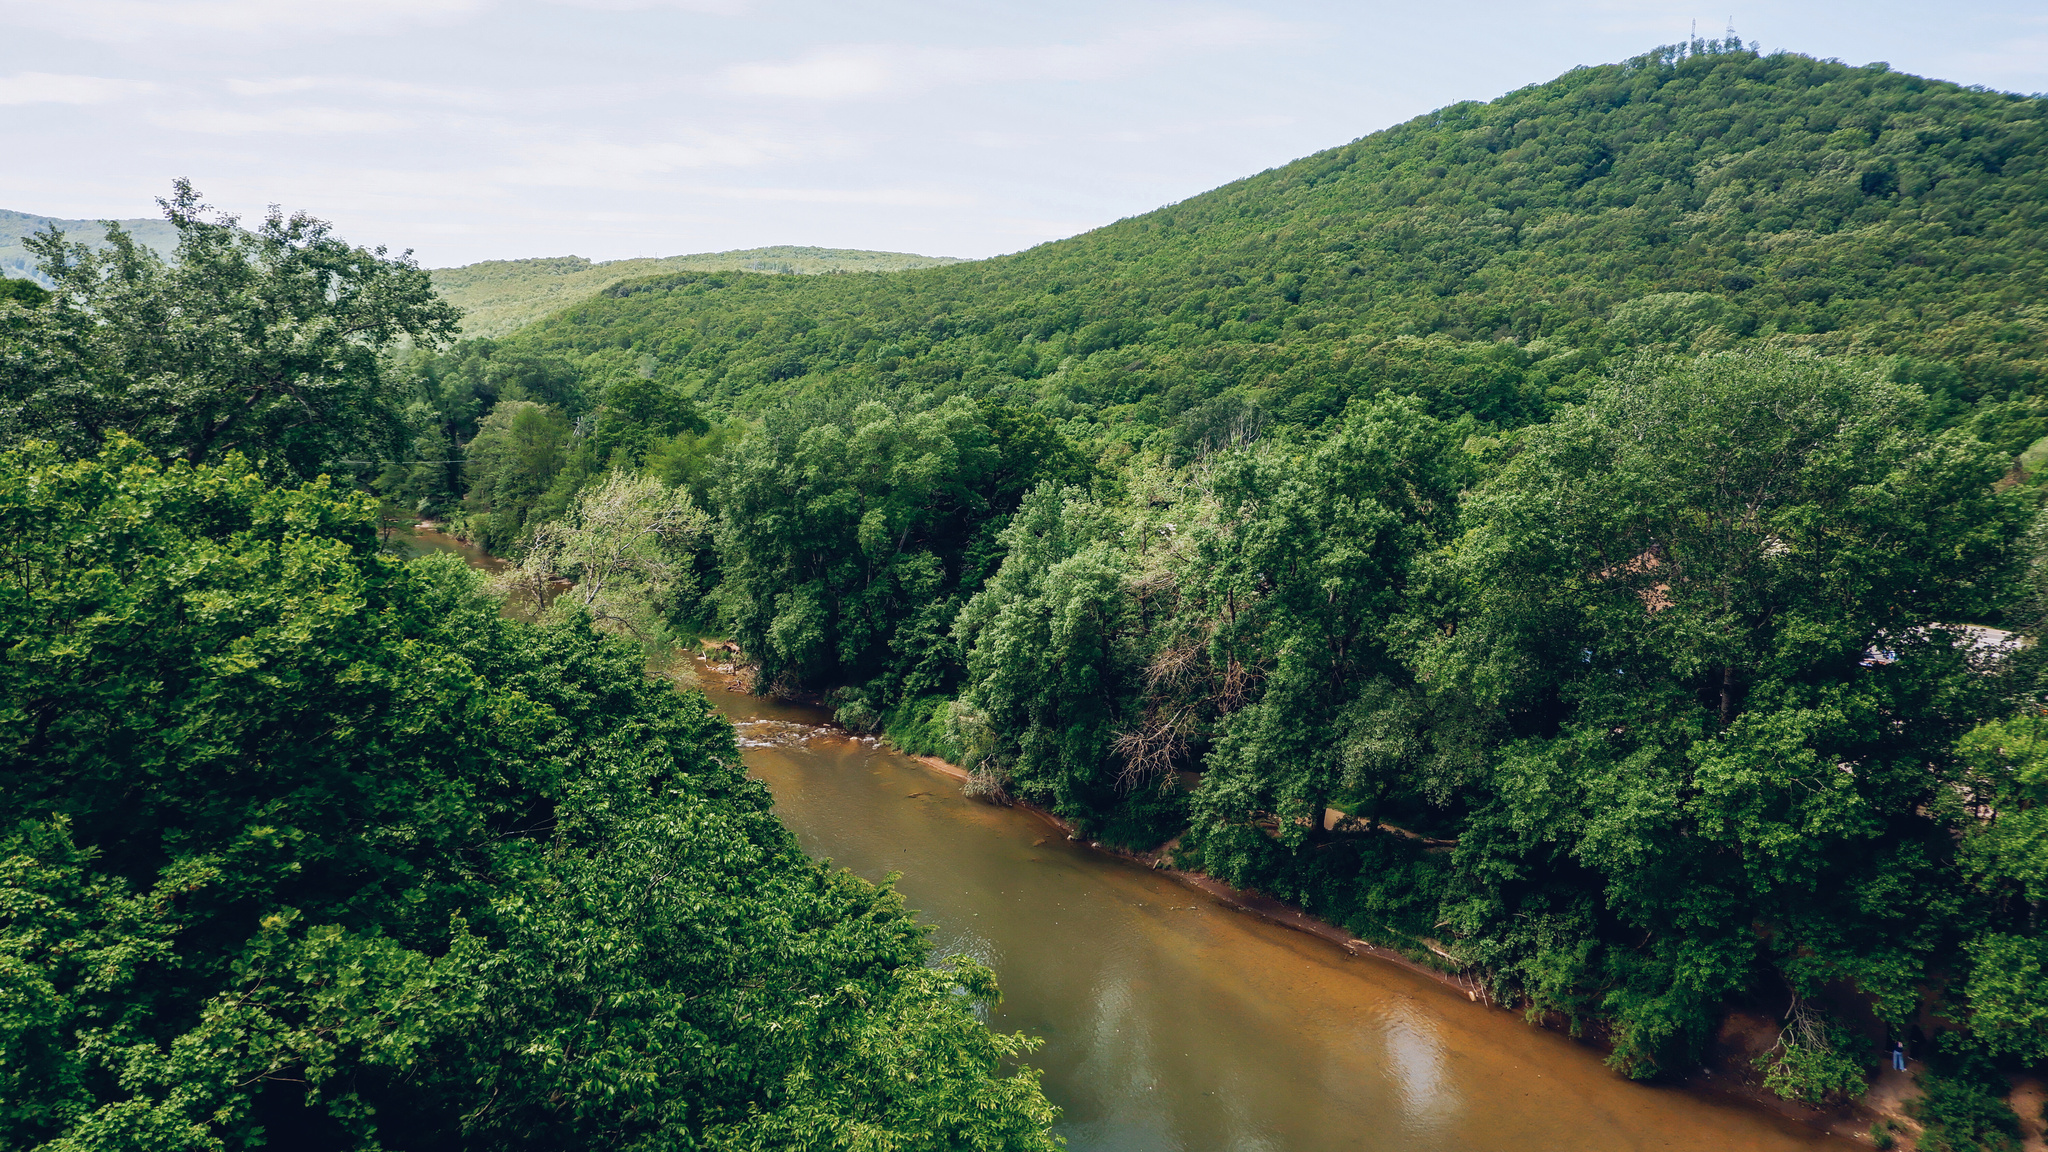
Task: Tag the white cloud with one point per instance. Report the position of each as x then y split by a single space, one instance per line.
902 197
52 88
852 71
132 20
707 7
615 164
1000 141
282 121
393 90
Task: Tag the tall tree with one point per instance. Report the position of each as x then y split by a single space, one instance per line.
267 342
1312 563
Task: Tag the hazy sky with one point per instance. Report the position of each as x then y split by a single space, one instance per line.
480 129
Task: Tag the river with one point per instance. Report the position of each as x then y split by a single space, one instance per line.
1171 1022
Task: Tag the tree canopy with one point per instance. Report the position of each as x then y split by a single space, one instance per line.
1588 541
306 845
267 342
1553 536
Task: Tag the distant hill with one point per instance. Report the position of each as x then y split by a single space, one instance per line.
497 296
16 262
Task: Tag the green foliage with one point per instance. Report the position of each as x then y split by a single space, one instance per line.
918 726
690 459
306 846
1671 592
267 343
1311 561
637 414
848 529
1965 1113
512 464
26 293
1054 650
1590 493
2008 994
629 545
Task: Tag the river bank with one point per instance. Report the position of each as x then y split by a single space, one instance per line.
1851 1121
1317 1015
1729 1074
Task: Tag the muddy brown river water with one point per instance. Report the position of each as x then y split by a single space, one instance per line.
1174 1023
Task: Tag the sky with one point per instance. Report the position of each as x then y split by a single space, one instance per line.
471 130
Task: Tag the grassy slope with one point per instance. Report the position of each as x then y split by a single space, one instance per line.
17 263
1490 256
497 296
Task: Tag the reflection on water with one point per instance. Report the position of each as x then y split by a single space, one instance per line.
1415 1065
1173 1024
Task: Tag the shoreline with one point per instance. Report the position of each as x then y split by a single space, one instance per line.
1252 903
1850 1121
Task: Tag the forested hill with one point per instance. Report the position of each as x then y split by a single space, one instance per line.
497 296
1489 256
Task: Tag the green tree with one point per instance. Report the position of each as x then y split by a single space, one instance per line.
2002 812
630 546
519 451
637 415
846 535
1307 572
1053 661
26 293
267 342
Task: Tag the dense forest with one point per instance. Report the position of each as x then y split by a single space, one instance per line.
1587 540
1556 537
1491 258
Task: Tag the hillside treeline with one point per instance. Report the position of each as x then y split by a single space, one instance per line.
1491 258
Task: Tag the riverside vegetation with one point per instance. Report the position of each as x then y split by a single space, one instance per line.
1594 497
